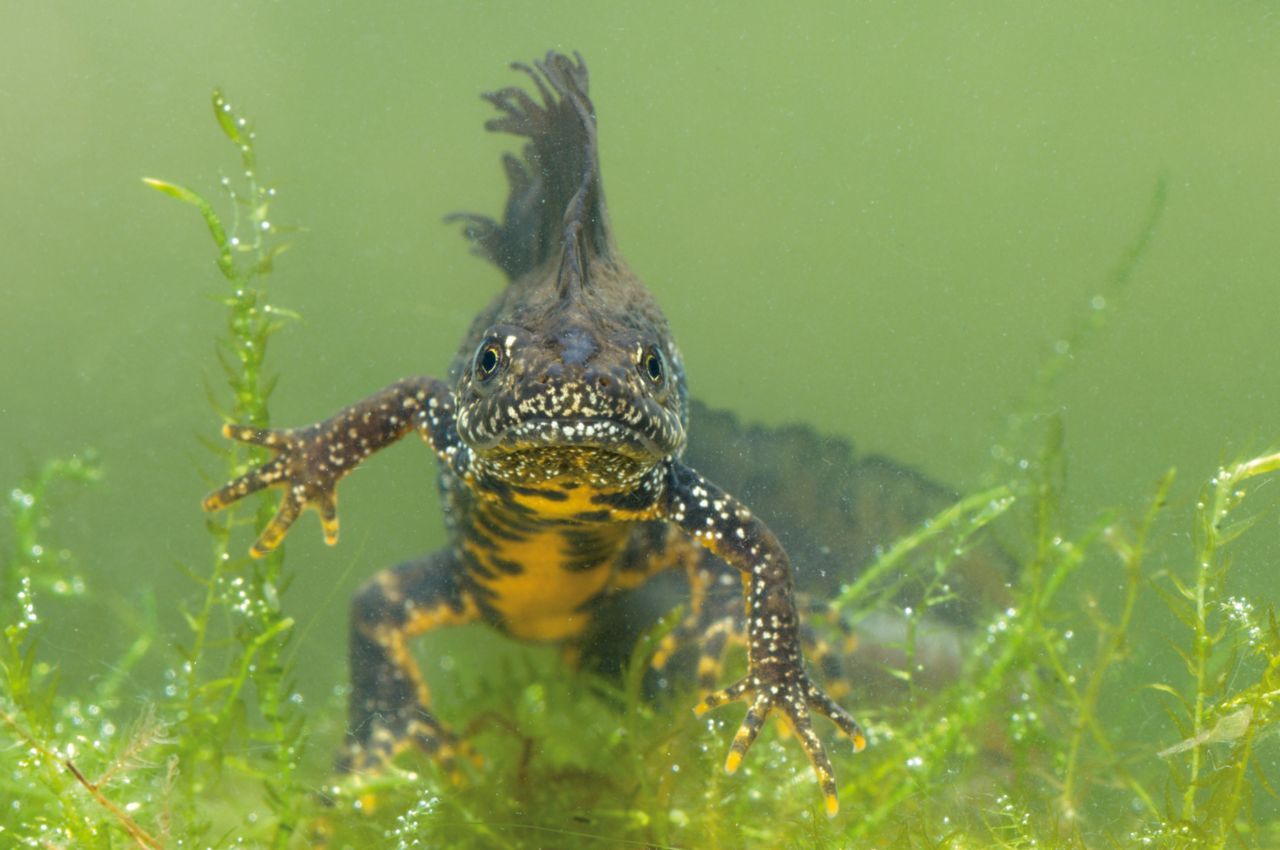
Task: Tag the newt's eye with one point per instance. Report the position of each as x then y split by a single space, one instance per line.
651 364
488 359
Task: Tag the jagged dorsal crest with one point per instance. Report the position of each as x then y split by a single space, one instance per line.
555 209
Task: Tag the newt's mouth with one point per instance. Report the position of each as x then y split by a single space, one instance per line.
602 435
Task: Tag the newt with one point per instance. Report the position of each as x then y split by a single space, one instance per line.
560 432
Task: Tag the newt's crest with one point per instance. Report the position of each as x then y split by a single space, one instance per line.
574 353
556 200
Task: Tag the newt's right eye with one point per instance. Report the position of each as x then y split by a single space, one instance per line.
488 359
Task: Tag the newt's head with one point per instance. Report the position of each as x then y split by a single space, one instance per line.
572 368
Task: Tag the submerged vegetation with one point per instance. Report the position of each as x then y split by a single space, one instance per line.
1070 725
235 691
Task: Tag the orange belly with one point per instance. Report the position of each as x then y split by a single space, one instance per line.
542 581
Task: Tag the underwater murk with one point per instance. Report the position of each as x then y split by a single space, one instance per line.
1032 668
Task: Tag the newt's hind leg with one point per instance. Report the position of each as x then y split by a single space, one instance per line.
390 704
716 623
712 625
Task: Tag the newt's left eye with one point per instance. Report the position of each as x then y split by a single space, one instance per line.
488 359
652 365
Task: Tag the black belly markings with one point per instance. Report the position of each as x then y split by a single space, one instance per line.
551 495
601 515
589 547
489 528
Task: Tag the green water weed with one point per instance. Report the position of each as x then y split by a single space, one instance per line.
1232 659
242 595
72 776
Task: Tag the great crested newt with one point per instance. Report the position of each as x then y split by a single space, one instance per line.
560 432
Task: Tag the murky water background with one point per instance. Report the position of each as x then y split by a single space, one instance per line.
875 219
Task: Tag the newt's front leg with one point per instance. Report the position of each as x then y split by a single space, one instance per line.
776 679
310 461
389 699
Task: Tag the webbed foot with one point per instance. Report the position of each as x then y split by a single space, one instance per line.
791 693
310 461
305 466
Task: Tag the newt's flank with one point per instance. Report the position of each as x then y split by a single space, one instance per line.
559 431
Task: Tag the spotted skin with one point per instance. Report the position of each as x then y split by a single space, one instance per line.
310 461
776 679
559 434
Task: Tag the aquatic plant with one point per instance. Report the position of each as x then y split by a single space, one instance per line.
227 700
241 593
1044 739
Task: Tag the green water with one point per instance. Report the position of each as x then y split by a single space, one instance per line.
878 219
